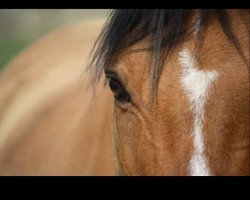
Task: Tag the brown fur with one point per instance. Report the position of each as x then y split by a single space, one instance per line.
227 120
159 141
64 133
49 124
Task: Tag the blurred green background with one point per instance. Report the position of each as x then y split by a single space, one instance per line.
20 27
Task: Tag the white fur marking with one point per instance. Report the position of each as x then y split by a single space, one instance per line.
196 84
197 25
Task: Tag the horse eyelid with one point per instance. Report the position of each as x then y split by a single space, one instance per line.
111 74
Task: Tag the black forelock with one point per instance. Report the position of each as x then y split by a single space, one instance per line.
165 28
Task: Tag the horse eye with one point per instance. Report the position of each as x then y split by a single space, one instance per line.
118 90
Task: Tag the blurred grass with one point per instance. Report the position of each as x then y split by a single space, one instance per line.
10 48
20 27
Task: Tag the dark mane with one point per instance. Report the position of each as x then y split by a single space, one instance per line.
164 27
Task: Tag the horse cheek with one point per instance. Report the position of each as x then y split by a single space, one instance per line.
125 126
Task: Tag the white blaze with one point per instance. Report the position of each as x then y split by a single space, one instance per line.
196 84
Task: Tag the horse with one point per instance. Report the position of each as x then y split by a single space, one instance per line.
49 123
180 80
179 104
